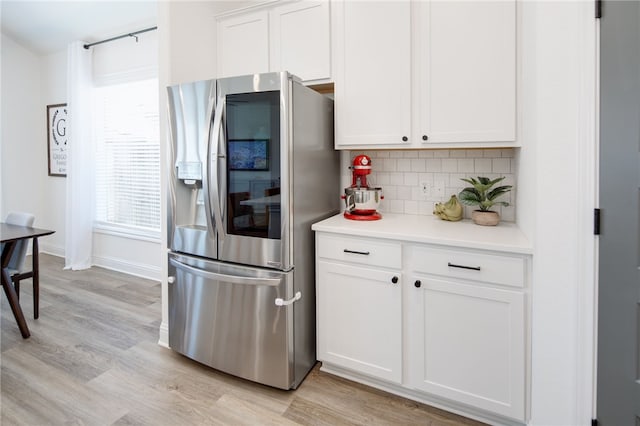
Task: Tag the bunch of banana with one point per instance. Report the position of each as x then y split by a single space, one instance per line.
451 210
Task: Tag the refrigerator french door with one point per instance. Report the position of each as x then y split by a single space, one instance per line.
241 262
252 145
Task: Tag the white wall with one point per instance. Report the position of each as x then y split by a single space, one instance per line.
53 77
24 143
29 83
126 58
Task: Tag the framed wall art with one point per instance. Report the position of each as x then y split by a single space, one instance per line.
57 140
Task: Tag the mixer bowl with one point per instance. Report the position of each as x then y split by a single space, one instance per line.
362 200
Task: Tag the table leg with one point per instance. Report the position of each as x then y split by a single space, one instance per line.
11 292
35 267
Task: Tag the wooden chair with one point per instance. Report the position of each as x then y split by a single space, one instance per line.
18 257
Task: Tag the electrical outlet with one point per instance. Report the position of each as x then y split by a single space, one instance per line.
426 189
438 190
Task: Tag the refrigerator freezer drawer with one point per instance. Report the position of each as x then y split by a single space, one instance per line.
233 318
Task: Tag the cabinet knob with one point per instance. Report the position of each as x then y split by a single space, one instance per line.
394 280
404 139
417 283
425 137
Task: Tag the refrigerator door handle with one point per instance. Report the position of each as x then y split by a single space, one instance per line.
233 279
213 150
281 302
205 181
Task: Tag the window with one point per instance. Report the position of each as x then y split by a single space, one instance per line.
128 156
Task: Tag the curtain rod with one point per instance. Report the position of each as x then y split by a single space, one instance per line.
133 34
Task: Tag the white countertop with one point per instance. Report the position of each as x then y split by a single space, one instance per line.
506 237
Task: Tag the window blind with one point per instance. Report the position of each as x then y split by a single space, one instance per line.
128 155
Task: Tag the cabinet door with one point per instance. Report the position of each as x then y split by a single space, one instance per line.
300 39
243 44
360 319
372 73
467 71
468 344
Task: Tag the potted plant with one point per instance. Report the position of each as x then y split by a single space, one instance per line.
480 194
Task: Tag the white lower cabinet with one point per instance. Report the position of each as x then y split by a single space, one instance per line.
467 344
360 311
359 305
435 323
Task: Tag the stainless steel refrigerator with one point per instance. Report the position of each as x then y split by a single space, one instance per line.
252 166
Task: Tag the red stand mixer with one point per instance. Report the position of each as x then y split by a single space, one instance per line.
361 200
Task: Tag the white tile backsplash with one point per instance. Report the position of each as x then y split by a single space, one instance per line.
450 165
501 165
418 164
482 165
404 164
411 207
411 179
466 165
396 178
434 164
402 173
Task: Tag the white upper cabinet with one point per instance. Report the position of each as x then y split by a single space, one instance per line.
372 58
466 74
300 39
243 44
420 74
289 36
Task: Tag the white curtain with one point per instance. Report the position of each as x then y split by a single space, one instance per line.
80 177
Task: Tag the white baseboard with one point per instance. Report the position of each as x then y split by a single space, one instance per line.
419 396
164 335
150 272
51 249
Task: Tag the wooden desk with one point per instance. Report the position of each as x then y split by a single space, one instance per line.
10 235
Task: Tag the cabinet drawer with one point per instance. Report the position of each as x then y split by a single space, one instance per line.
491 268
360 250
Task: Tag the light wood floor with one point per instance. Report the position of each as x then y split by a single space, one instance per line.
93 359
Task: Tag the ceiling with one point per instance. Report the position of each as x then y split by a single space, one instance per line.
48 26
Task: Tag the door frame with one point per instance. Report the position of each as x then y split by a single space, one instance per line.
589 177
588 200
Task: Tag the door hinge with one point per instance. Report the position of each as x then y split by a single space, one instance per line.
596 221
598 6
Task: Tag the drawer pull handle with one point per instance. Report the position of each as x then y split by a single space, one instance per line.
394 280
364 253
453 265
